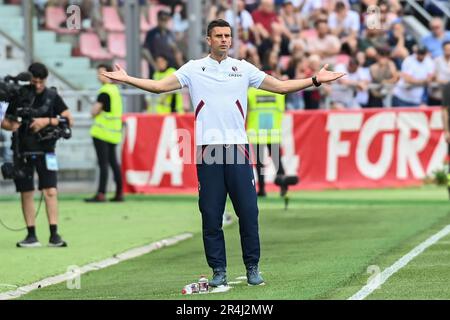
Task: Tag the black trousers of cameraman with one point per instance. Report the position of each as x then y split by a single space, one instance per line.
106 155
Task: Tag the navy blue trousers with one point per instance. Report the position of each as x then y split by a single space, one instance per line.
222 170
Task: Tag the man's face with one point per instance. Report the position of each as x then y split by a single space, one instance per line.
322 29
447 51
39 84
267 6
161 64
436 27
101 77
421 57
220 40
163 22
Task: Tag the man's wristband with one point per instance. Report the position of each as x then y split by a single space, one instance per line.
49 121
315 81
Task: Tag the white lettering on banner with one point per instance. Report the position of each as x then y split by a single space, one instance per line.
131 133
408 148
436 121
378 122
337 123
137 178
437 159
290 160
168 160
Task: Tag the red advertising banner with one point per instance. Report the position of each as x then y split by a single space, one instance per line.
326 149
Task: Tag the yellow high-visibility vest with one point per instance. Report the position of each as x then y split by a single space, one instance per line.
108 125
165 100
264 116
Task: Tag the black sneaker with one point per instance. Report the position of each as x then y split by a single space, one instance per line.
29 242
117 198
253 276
57 241
99 197
219 278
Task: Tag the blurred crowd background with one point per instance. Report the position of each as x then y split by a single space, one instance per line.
393 53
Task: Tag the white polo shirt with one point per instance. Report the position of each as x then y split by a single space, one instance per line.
418 70
219 95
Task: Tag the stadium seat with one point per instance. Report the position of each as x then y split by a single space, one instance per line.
145 25
117 44
111 20
90 47
54 17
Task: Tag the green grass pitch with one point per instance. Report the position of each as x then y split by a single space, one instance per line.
321 248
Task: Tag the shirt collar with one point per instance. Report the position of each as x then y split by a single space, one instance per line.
211 60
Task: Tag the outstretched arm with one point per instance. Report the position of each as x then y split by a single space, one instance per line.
167 84
287 86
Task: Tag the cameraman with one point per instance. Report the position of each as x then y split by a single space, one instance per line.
49 106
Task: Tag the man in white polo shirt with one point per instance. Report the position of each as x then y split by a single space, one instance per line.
218 87
417 72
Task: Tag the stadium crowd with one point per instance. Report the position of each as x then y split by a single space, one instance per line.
367 39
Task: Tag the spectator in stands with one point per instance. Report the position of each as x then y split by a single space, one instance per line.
383 73
106 133
416 73
291 19
400 42
218 10
296 70
180 27
313 97
311 10
161 41
344 22
244 18
433 42
373 38
441 76
267 26
351 90
326 45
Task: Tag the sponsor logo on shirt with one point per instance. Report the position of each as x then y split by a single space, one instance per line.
235 73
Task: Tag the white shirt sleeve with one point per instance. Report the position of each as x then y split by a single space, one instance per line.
3 107
182 74
355 24
255 76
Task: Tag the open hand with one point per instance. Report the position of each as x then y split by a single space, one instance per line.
325 75
118 75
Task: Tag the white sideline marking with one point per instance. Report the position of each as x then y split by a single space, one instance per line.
129 254
403 261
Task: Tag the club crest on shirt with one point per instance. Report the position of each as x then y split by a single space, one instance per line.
203 68
235 73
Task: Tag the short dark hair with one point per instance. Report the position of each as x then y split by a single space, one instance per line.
319 21
106 66
216 23
445 43
38 70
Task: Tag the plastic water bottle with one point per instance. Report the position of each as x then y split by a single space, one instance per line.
203 284
187 289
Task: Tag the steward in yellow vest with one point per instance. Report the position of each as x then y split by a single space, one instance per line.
264 117
107 134
166 102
